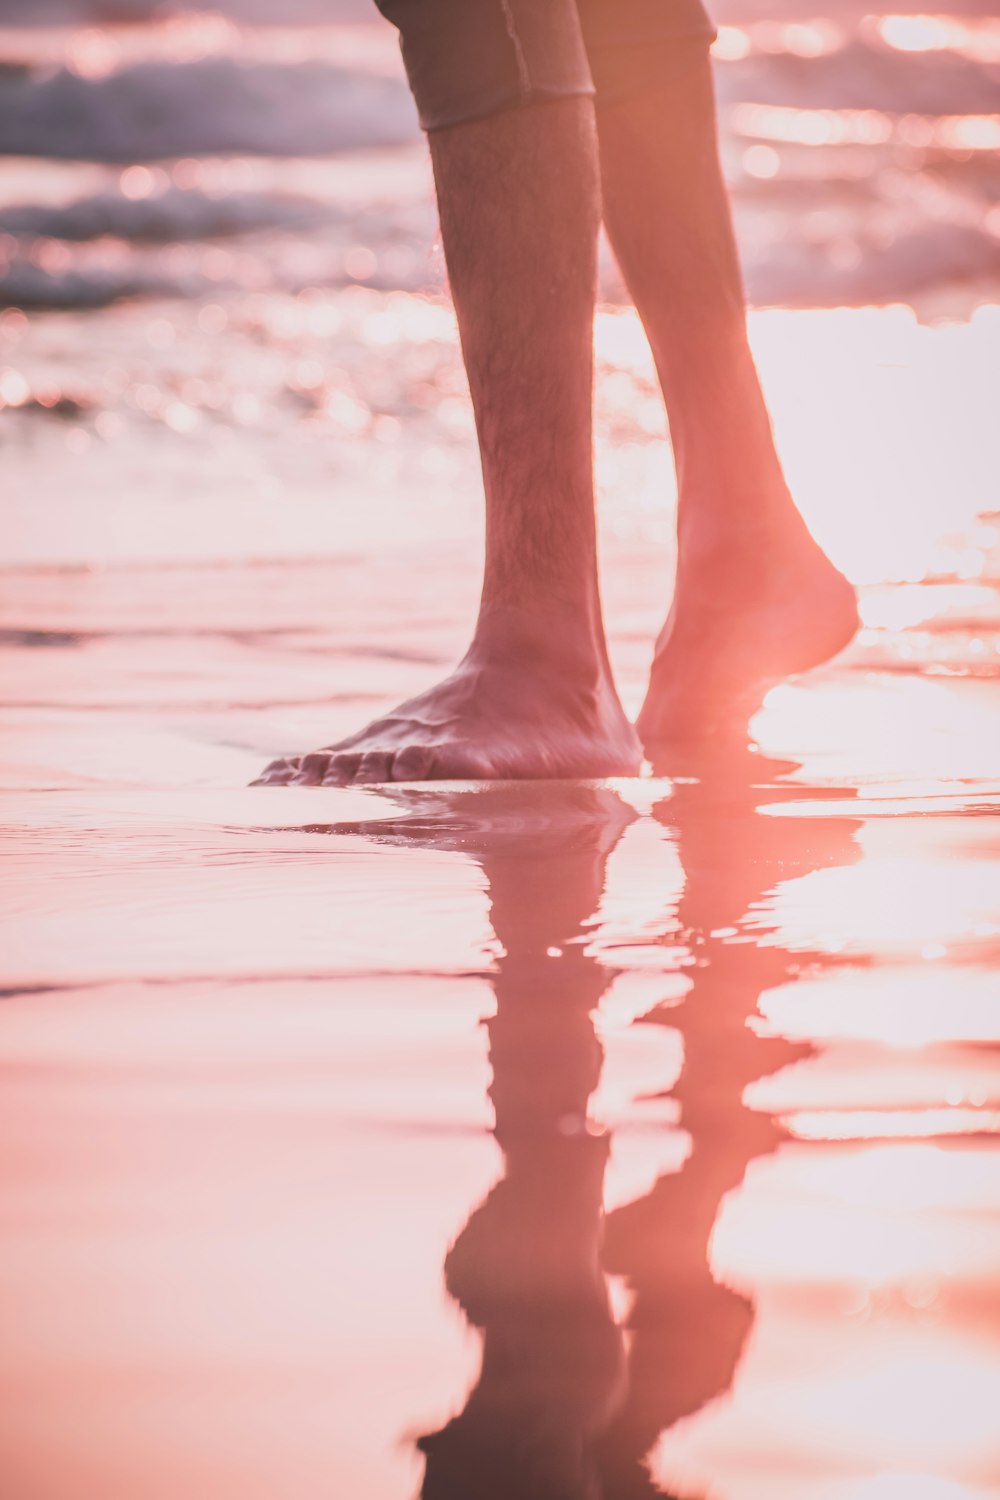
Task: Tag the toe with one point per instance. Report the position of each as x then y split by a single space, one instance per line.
341 769
460 764
374 767
313 768
278 772
413 763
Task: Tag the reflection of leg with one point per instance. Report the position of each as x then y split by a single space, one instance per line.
519 206
526 1269
755 597
688 1329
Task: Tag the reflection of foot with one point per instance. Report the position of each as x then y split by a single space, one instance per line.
530 700
534 1241
525 1270
744 616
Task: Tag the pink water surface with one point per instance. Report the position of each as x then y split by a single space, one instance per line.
710 1205
546 1140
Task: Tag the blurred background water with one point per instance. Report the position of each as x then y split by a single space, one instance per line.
249 1099
219 258
862 149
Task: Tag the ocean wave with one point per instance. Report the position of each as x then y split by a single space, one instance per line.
173 215
863 75
155 110
323 12
129 12
27 285
850 274
780 269
847 185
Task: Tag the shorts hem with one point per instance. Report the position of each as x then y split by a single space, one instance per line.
522 99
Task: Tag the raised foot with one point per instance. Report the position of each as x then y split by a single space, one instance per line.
488 721
734 631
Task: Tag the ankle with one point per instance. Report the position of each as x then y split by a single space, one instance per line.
717 521
551 639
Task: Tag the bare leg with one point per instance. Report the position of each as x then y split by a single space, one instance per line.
519 202
755 598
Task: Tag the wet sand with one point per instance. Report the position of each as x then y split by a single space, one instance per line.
553 1139
547 1140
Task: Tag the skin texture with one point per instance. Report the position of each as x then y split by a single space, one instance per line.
520 202
755 598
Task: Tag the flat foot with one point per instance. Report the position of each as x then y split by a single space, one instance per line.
507 721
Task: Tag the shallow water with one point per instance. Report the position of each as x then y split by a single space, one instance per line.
557 1140
554 1139
193 156
716 1181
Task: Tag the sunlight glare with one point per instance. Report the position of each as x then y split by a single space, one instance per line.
909 1486
883 1124
902 1007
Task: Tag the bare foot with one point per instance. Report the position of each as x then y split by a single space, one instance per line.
746 613
532 699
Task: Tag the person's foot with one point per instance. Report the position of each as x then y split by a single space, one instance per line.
532 699
746 614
